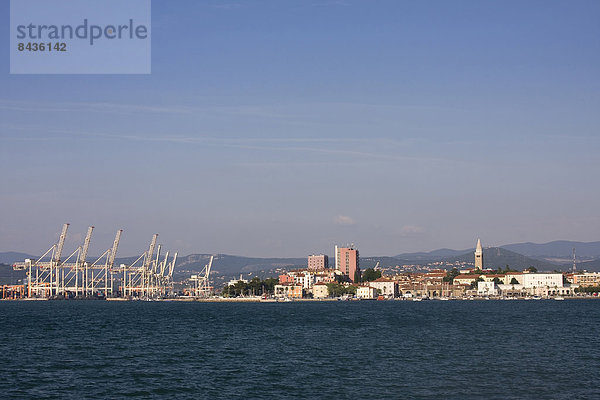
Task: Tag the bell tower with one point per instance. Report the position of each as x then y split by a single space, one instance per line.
478 255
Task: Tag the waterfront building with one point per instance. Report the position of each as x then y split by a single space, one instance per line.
234 281
433 278
465 279
325 276
366 292
570 277
320 290
458 290
403 278
491 277
304 278
487 288
537 284
289 290
346 261
479 256
318 262
537 280
514 290
509 276
386 287
584 279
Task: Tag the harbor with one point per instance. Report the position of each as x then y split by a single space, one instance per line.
74 277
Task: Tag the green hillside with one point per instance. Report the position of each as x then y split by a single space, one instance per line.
591 266
8 276
495 257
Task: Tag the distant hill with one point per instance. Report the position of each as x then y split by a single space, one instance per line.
11 257
591 266
434 255
384 261
495 257
557 249
8 276
226 264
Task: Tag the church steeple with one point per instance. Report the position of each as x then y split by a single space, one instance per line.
479 255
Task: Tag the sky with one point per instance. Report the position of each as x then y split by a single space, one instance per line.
282 128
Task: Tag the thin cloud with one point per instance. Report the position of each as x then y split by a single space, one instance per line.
260 144
119 108
412 230
331 3
344 220
228 6
296 112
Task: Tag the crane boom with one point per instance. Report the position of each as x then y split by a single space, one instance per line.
61 243
86 245
113 251
172 267
163 265
208 267
150 251
155 266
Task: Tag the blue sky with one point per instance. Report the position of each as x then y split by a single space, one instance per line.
281 128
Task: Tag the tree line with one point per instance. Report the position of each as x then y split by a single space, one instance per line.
258 287
254 287
587 289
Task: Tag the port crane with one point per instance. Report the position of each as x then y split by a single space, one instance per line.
201 281
51 276
151 278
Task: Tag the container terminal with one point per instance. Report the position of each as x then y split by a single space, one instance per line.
150 276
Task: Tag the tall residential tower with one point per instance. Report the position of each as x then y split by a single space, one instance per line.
346 261
318 262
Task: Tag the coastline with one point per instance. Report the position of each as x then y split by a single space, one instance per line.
260 300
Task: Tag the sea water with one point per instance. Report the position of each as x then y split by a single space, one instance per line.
300 350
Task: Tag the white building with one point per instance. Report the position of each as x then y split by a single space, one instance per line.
387 287
304 278
513 290
234 281
542 280
366 292
320 291
487 289
546 284
509 276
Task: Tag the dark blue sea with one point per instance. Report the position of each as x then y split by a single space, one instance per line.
300 350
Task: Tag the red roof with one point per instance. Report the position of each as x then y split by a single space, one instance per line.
471 276
382 279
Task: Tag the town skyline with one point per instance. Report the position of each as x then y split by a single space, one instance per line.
561 250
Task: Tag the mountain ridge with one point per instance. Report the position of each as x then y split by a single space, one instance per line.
532 255
555 249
